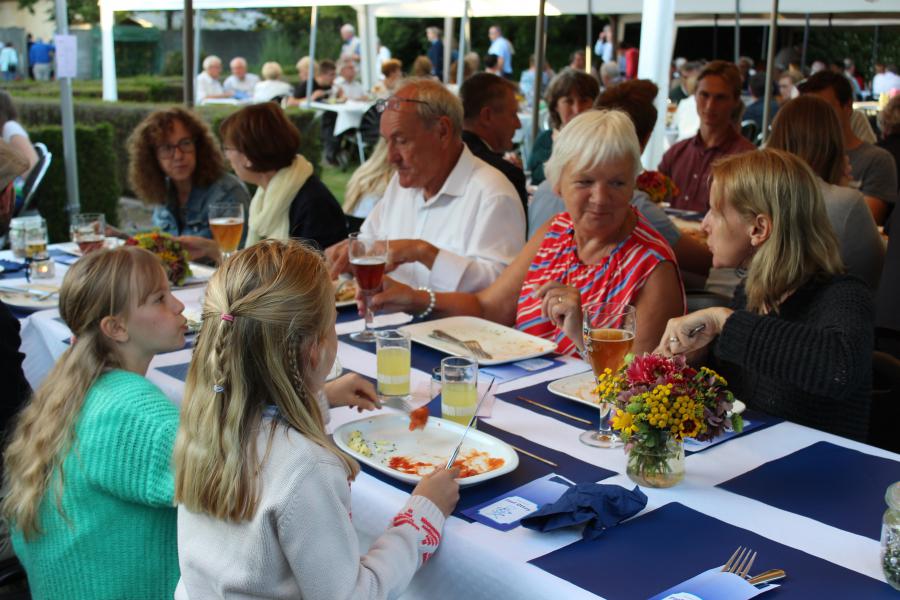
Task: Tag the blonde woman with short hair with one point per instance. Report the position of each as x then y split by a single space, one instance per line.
264 494
88 488
798 341
272 85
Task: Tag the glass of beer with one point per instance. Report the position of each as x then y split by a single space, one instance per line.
226 221
88 230
392 354
608 334
459 388
368 258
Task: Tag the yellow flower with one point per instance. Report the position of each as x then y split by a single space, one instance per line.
624 422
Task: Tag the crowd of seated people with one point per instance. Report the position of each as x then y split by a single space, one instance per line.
247 467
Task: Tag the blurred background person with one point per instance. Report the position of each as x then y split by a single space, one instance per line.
435 51
367 185
240 83
392 70
13 133
492 65
422 67
502 49
347 85
351 47
208 85
272 85
889 122
526 81
609 75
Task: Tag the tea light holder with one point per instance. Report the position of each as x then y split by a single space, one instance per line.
43 269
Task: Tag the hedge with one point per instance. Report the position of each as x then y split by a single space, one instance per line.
125 117
130 89
98 191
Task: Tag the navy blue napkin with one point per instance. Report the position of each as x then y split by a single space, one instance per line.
597 506
11 266
663 547
838 486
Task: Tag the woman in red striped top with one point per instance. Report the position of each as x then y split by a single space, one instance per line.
599 250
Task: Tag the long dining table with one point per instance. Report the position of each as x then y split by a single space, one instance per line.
808 502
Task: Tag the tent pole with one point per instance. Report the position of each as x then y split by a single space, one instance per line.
765 41
313 28
716 36
737 31
68 121
805 44
539 46
107 22
463 39
770 60
448 47
875 47
187 43
372 45
588 47
198 30
658 34
365 59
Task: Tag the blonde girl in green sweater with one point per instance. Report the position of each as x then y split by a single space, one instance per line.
264 495
88 485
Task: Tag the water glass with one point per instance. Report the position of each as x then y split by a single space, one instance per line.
435 383
393 358
459 388
226 222
608 334
88 230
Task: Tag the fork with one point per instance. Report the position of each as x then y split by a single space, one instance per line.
396 402
740 562
471 345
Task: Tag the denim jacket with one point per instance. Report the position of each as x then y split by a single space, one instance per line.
227 188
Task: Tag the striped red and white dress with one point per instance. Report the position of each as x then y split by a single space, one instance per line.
617 278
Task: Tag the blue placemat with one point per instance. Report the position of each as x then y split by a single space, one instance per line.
838 486
671 544
179 372
62 257
346 313
540 393
12 269
529 469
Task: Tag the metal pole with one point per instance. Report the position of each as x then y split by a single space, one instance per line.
198 29
313 28
365 59
539 44
448 48
68 121
588 45
770 60
765 41
715 36
187 43
737 31
875 48
805 44
107 23
463 38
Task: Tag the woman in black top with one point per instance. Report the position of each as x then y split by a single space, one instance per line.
798 341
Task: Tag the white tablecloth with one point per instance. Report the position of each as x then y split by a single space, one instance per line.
349 113
476 562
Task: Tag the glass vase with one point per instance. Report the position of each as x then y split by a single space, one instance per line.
656 462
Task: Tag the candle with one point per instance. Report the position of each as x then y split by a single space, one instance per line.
42 269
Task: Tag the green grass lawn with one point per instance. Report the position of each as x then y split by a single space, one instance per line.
336 180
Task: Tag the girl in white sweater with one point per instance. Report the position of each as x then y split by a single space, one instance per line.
264 494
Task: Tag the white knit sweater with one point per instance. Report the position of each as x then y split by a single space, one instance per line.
301 542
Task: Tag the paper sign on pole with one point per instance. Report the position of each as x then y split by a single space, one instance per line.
66 55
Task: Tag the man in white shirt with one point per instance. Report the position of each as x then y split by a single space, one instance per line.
352 47
208 86
453 221
346 83
502 49
885 82
240 83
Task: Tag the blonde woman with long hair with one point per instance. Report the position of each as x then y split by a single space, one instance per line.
264 494
367 185
88 488
798 341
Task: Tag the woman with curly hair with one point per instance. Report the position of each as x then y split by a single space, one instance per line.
175 164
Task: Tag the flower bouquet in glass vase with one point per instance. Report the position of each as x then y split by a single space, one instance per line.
659 402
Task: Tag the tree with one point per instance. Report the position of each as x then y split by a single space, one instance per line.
79 11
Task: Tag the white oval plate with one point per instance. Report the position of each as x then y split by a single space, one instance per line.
28 301
432 444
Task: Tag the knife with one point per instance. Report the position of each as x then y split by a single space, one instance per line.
469 426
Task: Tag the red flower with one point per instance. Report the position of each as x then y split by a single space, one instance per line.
653 369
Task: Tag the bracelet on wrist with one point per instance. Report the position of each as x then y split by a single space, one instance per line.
431 301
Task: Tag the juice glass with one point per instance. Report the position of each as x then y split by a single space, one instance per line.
459 388
392 355
608 335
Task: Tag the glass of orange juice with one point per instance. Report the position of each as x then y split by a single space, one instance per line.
393 359
459 388
226 221
608 334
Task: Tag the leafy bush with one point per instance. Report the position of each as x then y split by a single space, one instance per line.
98 191
173 63
125 117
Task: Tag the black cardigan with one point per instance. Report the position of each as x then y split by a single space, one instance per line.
812 362
316 216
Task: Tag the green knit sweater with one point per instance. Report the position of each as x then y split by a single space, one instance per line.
118 536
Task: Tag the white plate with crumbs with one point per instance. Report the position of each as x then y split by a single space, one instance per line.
385 443
504 344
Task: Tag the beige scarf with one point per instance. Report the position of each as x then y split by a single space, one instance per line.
270 207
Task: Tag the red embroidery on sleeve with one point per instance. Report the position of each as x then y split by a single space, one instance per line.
432 535
405 518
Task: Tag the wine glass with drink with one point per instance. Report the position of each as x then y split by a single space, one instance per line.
226 222
368 258
608 334
88 230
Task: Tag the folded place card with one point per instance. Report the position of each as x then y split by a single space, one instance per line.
505 511
523 368
713 585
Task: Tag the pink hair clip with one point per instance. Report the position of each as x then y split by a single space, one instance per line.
228 317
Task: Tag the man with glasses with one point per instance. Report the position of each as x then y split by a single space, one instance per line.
453 221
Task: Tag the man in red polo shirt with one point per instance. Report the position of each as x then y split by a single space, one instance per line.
688 162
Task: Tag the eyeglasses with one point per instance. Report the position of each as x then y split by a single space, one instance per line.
167 151
394 103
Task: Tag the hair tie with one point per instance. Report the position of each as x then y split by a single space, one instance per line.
218 389
228 317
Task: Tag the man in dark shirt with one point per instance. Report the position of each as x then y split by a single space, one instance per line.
754 112
435 51
490 119
688 162
323 79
